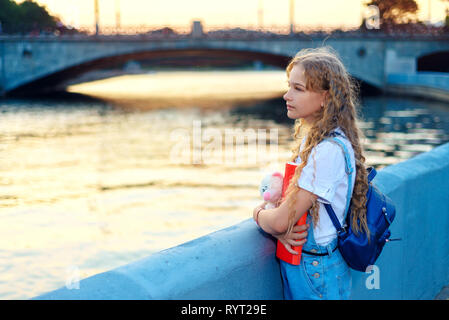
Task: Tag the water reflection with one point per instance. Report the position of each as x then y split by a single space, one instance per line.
397 129
92 182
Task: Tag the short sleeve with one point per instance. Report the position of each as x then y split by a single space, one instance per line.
325 167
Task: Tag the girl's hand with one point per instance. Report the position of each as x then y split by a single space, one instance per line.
256 209
297 237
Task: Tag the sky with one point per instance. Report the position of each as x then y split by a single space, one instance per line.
307 13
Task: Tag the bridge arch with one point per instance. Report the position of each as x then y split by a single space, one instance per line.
436 61
28 63
55 79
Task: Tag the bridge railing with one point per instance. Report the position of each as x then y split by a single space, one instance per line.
184 29
230 34
244 31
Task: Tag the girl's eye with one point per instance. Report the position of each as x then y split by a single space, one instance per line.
296 88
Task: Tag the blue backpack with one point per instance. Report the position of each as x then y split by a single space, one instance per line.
357 250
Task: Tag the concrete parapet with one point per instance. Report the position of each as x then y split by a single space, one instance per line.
234 263
239 262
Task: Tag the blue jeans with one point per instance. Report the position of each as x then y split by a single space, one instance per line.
317 277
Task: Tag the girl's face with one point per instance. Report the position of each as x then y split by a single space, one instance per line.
302 103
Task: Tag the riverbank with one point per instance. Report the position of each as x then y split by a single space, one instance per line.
428 85
418 92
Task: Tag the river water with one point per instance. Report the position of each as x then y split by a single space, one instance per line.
121 168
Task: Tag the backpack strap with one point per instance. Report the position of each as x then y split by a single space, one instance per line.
349 171
371 173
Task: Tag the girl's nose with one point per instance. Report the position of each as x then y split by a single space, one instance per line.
285 96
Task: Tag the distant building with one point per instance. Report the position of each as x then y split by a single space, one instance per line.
162 32
197 29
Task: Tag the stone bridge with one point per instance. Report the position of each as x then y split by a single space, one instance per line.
44 62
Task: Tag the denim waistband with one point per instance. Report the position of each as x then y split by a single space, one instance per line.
315 248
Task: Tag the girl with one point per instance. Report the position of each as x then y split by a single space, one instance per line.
322 99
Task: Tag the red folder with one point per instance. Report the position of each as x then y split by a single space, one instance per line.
281 252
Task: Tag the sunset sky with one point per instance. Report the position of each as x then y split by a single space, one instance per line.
342 13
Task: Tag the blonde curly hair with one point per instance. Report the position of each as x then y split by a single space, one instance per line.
323 70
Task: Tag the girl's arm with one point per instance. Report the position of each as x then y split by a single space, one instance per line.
275 221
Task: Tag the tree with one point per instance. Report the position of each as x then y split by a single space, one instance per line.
35 17
25 17
395 11
9 15
446 20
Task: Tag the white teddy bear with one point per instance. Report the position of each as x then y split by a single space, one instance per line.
271 189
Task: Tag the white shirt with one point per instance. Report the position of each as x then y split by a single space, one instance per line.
324 175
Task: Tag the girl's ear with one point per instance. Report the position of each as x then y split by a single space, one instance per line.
325 96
